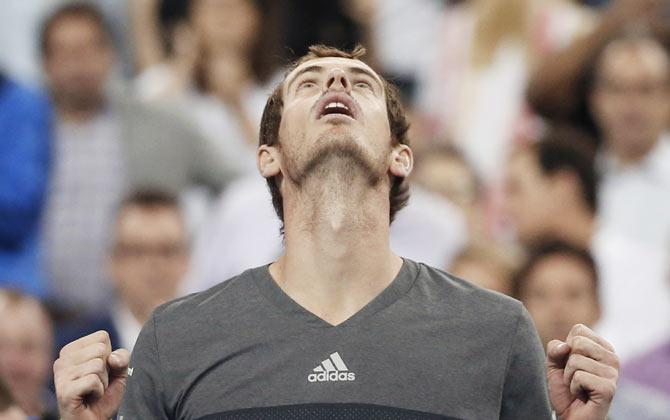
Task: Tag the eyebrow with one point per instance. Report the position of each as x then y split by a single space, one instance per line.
317 68
314 67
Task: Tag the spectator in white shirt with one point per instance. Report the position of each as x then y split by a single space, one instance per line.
630 100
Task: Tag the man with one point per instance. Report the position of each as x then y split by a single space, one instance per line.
147 263
338 325
26 346
25 128
630 100
104 147
552 192
558 285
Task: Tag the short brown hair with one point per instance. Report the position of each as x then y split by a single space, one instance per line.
272 114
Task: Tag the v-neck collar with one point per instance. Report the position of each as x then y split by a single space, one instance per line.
400 285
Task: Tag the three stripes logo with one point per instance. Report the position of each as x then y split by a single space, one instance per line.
332 369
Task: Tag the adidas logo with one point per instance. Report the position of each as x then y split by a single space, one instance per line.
332 369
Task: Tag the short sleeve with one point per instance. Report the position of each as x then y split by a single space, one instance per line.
145 394
525 394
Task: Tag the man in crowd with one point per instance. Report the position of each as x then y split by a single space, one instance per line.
630 100
558 285
314 334
147 262
24 166
103 148
26 351
552 192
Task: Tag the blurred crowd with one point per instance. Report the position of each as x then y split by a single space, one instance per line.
128 131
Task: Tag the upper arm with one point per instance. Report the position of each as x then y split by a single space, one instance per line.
145 394
525 392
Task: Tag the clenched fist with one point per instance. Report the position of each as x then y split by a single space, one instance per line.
90 379
582 373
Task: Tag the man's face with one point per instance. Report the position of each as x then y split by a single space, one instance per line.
78 62
334 111
631 99
150 256
558 294
528 197
26 341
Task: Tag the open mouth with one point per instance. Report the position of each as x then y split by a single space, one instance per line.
337 104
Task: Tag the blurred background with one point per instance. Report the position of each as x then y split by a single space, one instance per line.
127 173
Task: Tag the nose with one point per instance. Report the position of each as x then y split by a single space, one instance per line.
338 81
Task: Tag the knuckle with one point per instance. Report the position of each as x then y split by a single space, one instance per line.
99 349
98 365
102 335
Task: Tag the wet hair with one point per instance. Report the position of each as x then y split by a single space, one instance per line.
272 114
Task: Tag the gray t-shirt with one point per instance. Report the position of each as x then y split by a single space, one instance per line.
430 346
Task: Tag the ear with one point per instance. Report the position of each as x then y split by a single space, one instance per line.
402 161
268 161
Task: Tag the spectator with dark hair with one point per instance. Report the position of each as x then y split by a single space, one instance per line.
105 146
147 262
25 127
558 284
551 189
552 192
26 351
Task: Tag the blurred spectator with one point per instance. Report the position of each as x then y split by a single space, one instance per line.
630 101
103 148
558 86
559 286
486 51
148 261
24 167
220 58
551 189
244 232
488 266
552 193
26 347
444 170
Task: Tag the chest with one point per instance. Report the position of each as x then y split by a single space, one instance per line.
411 367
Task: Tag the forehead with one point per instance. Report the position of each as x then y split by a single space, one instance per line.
325 64
648 55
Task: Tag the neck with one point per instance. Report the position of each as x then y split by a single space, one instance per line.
337 255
